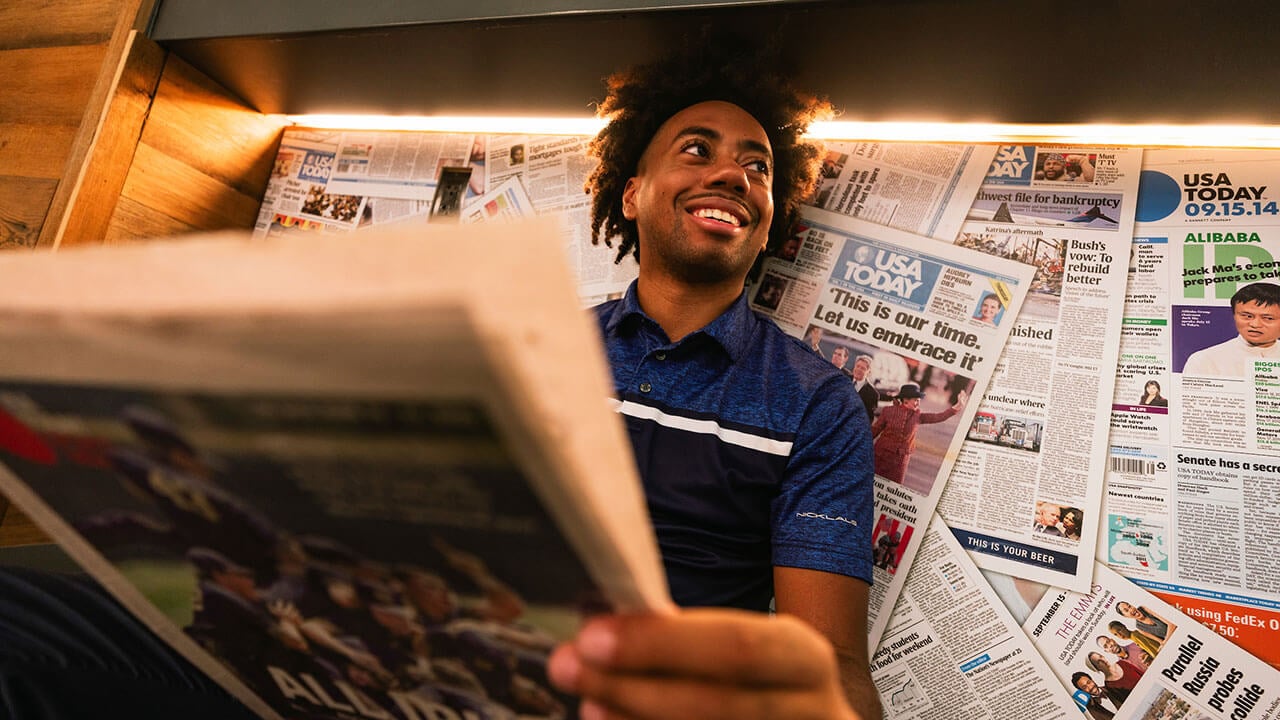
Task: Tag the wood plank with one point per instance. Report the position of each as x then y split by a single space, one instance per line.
57 22
132 16
200 123
48 85
134 222
185 194
107 165
35 151
23 204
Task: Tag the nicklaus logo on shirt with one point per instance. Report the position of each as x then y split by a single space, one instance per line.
824 516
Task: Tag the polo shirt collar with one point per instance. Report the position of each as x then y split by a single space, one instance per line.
1265 352
731 330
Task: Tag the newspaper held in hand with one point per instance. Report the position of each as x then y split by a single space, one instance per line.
375 479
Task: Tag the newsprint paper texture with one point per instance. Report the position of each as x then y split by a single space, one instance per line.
905 303
952 649
1124 653
1193 477
1024 496
371 479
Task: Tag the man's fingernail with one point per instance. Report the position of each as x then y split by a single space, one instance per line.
597 642
564 669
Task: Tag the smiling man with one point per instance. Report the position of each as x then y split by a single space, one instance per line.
754 451
1256 310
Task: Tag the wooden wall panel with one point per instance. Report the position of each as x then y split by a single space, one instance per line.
34 151
129 18
111 153
170 187
199 123
202 163
44 93
48 85
133 221
23 203
27 24
53 54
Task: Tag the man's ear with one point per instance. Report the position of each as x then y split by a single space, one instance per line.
629 199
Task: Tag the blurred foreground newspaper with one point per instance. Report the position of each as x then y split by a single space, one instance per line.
1123 653
374 479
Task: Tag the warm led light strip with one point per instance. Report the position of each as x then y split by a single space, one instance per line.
1252 136
455 124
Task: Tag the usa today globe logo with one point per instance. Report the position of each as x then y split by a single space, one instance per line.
862 254
1158 196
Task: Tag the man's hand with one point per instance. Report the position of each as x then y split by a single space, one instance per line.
701 664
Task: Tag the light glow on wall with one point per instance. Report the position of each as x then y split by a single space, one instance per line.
1244 136
455 124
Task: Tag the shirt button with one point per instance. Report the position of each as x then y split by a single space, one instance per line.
660 356
645 387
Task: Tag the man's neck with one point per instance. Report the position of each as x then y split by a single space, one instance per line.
680 308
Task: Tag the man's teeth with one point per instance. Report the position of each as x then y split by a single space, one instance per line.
715 214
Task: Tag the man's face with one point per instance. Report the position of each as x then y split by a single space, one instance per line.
1087 684
1109 645
1259 325
839 357
1053 168
1049 514
702 197
860 369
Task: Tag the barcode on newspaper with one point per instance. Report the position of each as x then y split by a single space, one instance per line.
1133 466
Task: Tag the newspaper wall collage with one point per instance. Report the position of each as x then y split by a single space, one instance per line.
992 304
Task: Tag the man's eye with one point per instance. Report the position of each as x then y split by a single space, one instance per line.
758 166
696 147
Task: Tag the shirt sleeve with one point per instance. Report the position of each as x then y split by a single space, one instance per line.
822 516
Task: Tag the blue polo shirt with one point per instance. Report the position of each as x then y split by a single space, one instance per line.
754 452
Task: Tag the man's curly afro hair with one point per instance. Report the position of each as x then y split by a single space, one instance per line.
641 99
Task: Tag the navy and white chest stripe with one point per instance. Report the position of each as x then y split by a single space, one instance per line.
703 426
